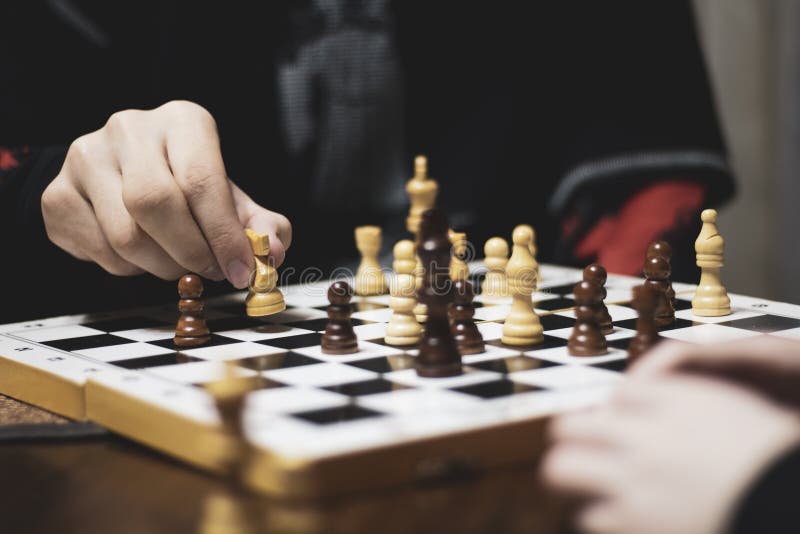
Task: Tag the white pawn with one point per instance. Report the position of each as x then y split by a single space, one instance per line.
369 276
711 298
522 326
403 328
420 310
459 270
532 248
495 285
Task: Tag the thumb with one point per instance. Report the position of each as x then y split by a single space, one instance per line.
264 221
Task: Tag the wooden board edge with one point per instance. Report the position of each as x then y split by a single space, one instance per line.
42 389
427 459
430 458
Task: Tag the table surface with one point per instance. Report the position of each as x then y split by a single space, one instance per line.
108 484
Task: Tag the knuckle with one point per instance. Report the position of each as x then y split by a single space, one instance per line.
54 196
126 241
123 121
188 108
201 178
143 201
80 149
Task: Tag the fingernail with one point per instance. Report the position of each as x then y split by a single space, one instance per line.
238 274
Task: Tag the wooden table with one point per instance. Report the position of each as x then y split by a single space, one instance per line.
107 484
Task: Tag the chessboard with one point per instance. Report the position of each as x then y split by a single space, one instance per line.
323 424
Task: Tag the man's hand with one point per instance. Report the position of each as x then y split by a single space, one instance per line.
768 364
149 192
672 455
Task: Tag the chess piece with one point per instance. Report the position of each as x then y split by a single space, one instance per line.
656 273
468 338
597 273
531 248
711 298
644 302
403 328
663 249
495 285
420 310
339 337
422 193
459 270
231 511
263 298
587 339
522 326
438 354
369 279
191 330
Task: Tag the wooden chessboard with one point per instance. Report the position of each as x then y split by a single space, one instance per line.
324 424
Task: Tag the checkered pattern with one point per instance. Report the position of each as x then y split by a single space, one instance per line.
309 403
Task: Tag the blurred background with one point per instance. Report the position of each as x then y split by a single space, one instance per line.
752 48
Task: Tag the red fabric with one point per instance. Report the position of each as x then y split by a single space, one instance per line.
619 242
7 159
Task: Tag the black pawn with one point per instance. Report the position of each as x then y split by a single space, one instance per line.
663 249
644 302
438 354
339 337
468 338
587 339
191 330
656 273
597 273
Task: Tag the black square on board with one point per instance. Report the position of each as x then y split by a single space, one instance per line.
513 364
282 360
87 342
560 303
564 289
496 388
360 306
556 322
681 304
764 324
293 342
366 387
215 341
155 361
614 365
630 324
125 323
385 364
318 325
339 414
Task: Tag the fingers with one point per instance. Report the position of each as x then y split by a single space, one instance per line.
760 352
581 470
264 221
153 187
169 242
71 224
194 156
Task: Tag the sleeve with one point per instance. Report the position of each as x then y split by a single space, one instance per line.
770 504
639 107
642 153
